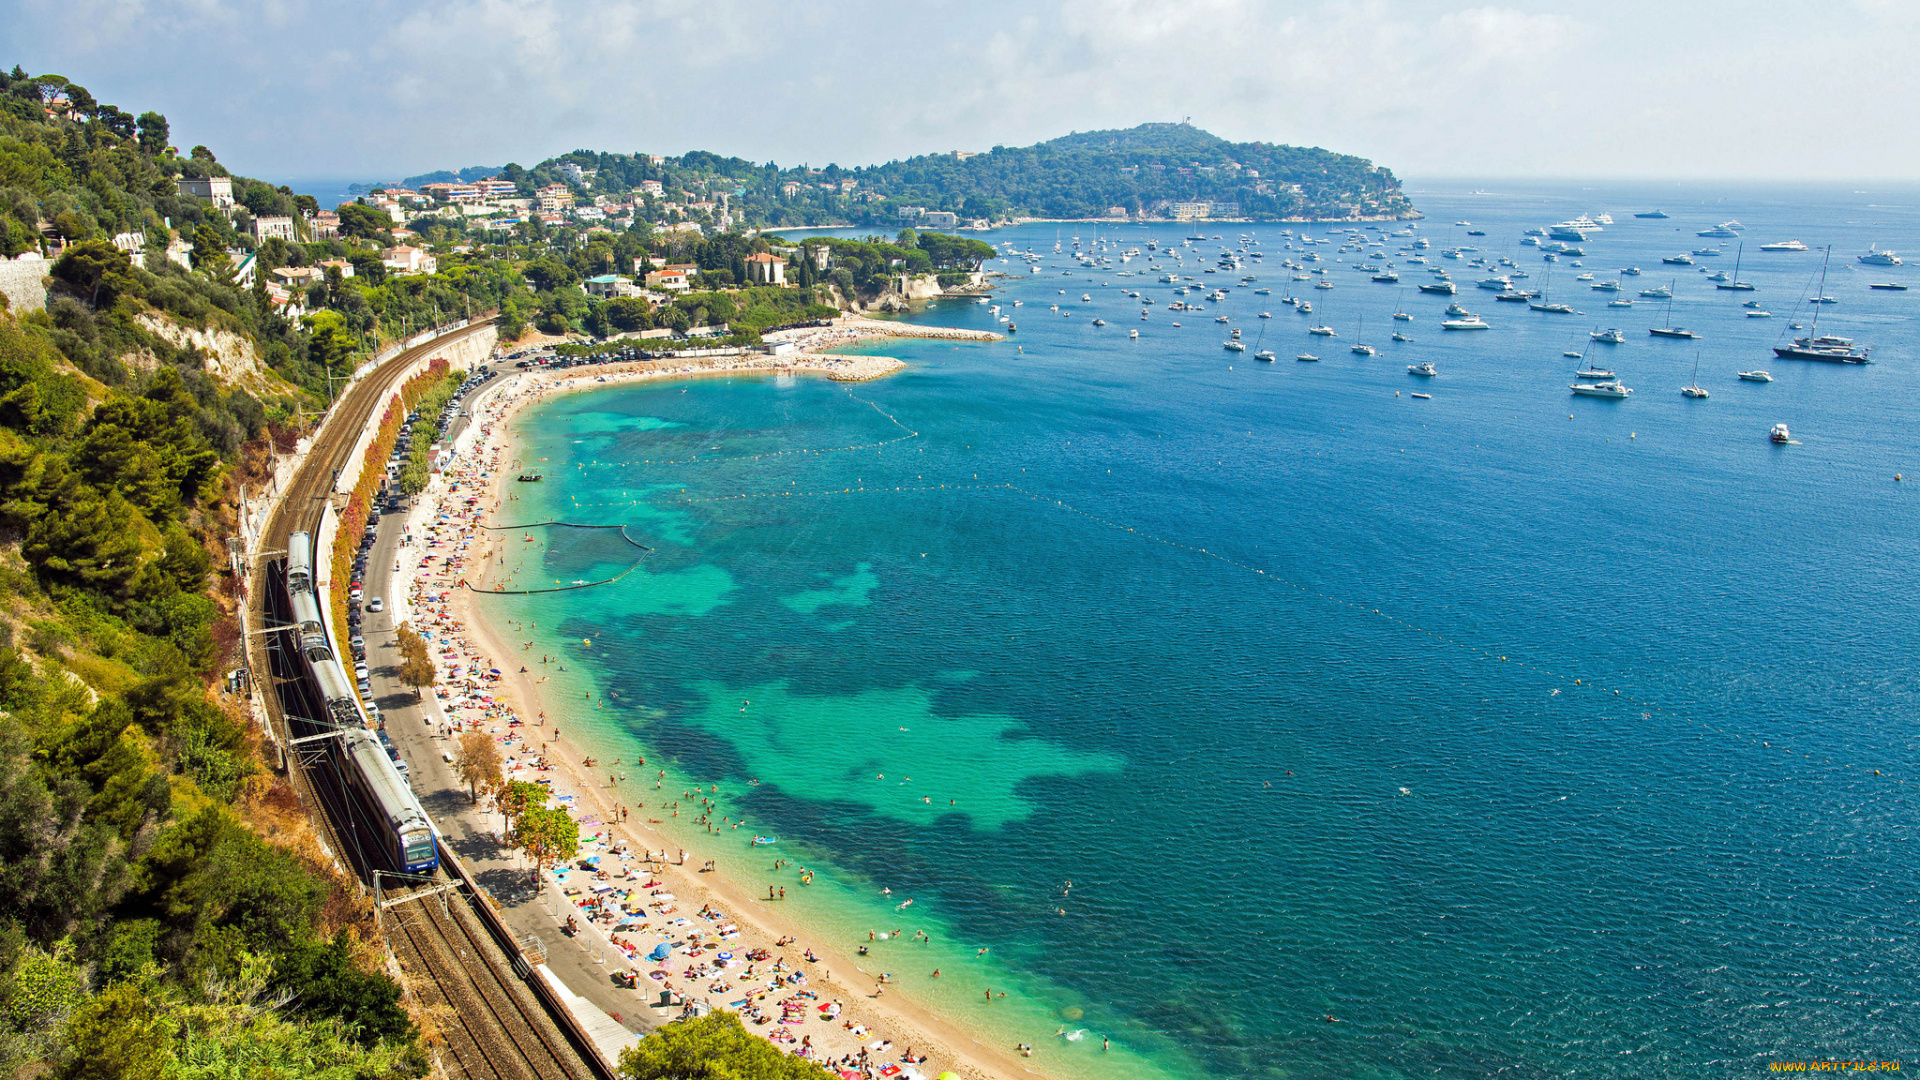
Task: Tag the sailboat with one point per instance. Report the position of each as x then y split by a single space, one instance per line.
1736 284
1670 330
1818 346
1359 349
1259 353
1694 389
1546 304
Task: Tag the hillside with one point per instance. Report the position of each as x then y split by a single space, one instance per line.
164 907
1146 171
1154 171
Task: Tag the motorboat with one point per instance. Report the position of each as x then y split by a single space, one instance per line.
1133 333
1471 322
1679 260
1724 230
1306 357
1876 257
1608 389
1779 434
1755 376
1657 293
1605 286
1655 214
1759 313
1784 245
1235 345
1422 397
1890 286
1609 336
1620 303
1552 307
1515 296
1426 371
1099 322
1442 288
1457 311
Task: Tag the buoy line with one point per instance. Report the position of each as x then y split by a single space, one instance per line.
894 420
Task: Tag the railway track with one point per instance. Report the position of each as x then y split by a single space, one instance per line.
495 1028
493 1032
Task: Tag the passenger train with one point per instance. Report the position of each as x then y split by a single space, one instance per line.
371 775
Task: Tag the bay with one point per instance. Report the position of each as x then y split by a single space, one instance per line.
1513 731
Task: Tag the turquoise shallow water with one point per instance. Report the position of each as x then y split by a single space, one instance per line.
1308 689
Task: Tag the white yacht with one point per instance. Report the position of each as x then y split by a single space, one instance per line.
1779 433
1784 245
1426 371
1471 322
1609 389
1609 336
1876 257
1755 376
1725 230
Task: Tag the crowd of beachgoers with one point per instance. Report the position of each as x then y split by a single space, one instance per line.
685 940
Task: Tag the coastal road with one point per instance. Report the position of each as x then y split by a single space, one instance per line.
492 1024
469 829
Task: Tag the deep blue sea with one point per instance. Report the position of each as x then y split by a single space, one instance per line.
1521 734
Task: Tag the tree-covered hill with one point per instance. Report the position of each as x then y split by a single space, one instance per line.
1145 170
164 908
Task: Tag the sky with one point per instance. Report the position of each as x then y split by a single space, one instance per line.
370 90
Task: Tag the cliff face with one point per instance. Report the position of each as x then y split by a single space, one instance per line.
228 355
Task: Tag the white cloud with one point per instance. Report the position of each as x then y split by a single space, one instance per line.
372 88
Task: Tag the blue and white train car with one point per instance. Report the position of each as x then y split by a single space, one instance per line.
407 836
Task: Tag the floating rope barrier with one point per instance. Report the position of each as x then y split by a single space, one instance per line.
696 460
497 591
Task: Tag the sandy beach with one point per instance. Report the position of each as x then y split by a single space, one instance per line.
737 950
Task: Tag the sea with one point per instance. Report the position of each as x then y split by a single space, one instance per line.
1258 719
